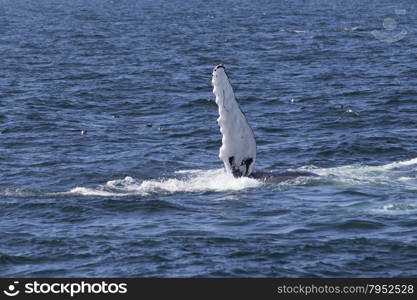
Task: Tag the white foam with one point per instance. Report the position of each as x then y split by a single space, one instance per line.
218 180
198 181
351 29
14 192
292 31
396 208
388 175
187 171
93 192
405 178
369 169
394 165
18 192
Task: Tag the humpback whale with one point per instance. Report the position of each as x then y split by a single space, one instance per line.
238 149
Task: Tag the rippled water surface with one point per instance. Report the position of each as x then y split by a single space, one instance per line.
142 192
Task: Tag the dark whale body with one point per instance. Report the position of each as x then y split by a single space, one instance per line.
279 175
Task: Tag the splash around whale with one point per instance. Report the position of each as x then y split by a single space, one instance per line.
238 150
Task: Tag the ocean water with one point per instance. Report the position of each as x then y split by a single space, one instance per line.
143 193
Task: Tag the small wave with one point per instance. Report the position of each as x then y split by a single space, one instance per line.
19 192
217 180
405 178
93 192
359 224
293 31
11 259
351 29
396 208
194 181
297 31
400 164
385 175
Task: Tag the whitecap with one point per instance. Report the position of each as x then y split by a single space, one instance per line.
396 208
196 181
391 174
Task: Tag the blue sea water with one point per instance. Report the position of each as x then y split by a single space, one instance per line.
143 194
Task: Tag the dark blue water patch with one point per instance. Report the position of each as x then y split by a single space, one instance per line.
14 260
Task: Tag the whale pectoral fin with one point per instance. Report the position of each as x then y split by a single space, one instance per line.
238 150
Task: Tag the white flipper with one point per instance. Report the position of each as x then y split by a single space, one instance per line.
238 150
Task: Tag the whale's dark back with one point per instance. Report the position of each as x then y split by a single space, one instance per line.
279 176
